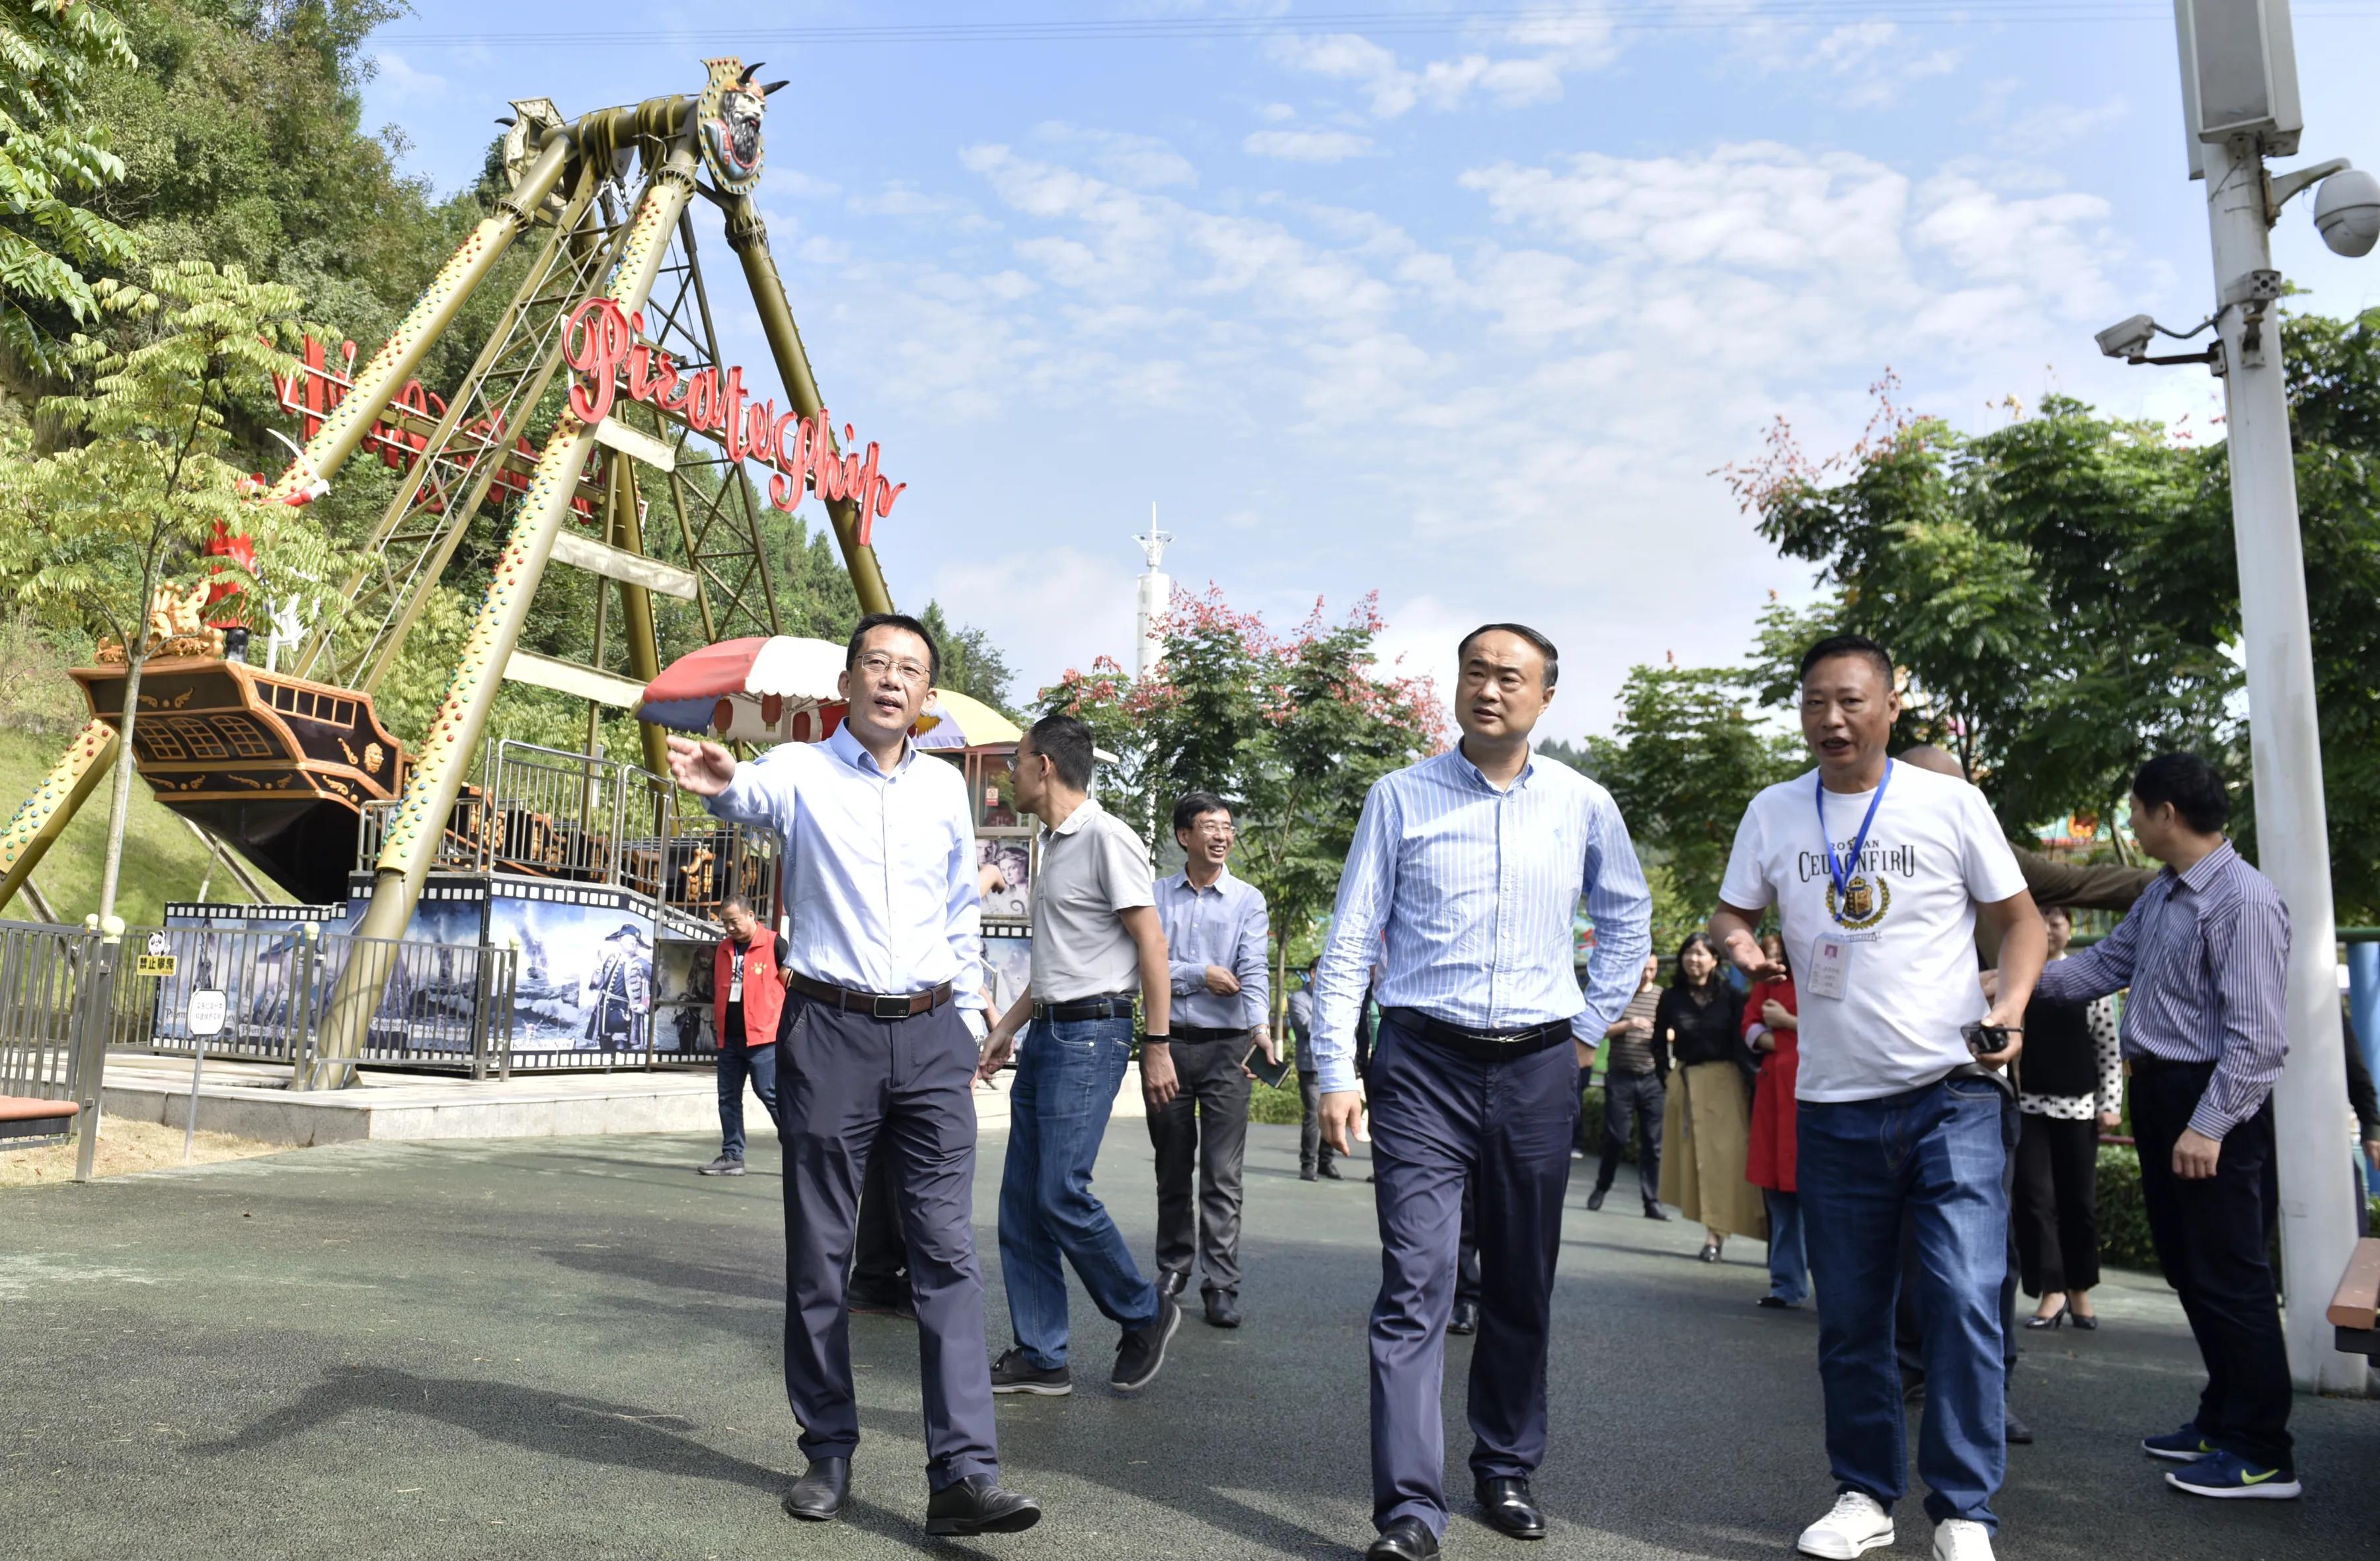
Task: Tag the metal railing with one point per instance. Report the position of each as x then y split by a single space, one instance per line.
42 972
547 814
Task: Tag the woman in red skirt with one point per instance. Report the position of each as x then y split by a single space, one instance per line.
1772 1030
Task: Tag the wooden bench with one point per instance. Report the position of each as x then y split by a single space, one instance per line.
25 1121
2355 1308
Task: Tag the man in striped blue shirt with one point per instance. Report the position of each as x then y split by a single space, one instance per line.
2206 952
1470 865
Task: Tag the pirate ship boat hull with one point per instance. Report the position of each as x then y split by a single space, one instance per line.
280 766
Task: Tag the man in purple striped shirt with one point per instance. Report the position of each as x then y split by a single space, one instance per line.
2204 951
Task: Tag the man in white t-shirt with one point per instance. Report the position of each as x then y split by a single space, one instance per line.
1878 872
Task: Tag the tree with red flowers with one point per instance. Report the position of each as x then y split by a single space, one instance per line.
1292 729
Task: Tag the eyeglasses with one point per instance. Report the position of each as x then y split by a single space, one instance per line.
876 664
1215 831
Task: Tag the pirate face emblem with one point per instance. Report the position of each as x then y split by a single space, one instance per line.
728 118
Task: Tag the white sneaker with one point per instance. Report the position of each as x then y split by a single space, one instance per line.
1961 1539
1857 1525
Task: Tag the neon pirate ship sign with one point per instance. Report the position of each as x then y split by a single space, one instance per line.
601 338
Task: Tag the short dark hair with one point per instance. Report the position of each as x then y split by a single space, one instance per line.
1065 742
1833 646
1191 807
2193 786
895 620
1545 646
735 902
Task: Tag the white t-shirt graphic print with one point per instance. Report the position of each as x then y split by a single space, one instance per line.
1934 854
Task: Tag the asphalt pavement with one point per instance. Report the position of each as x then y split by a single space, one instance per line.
571 1347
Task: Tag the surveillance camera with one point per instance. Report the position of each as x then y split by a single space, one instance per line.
2347 212
2127 338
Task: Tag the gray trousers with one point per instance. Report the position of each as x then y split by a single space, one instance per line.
847 1084
1204 1126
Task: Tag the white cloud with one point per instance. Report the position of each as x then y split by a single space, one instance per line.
1051 612
1862 65
1533 53
403 81
1277 114
1141 162
1306 146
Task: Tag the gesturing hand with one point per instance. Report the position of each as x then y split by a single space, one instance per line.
704 768
1222 981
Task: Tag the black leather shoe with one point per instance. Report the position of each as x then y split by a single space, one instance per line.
1466 1318
2019 1433
1508 1504
1595 1200
1655 1210
977 1505
1329 1173
1171 1283
818 1496
1407 1539
1221 1313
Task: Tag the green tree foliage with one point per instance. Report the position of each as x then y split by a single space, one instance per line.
1292 729
1685 758
98 528
54 155
2062 593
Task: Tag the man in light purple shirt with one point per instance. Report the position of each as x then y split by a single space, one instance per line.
1217 939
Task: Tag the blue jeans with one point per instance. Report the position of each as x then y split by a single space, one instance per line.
737 1063
1788 1261
1066 1081
1937 1153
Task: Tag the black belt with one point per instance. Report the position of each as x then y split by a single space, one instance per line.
1481 1045
876 1005
1203 1033
1113 1004
2148 1062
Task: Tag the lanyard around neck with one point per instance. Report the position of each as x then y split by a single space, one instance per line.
1841 872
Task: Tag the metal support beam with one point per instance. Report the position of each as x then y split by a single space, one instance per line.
582 551
419 822
43 817
748 237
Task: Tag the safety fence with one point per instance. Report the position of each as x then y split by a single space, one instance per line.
536 812
258 995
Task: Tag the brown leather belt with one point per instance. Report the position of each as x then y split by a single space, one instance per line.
876 1005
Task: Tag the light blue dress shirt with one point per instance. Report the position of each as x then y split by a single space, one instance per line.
879 870
1474 890
1223 924
2207 955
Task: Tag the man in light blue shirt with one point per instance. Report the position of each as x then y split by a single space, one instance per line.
1217 939
886 988
1471 865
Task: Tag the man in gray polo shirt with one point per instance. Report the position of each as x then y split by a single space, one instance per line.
1095 937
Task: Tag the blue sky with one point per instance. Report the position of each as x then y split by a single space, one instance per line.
1467 313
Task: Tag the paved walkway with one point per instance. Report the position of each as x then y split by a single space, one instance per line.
569 1348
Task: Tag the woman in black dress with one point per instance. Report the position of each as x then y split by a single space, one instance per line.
2069 1087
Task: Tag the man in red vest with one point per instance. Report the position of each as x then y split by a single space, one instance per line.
748 989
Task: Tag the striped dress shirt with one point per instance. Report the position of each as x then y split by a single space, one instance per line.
1223 924
1472 891
2207 954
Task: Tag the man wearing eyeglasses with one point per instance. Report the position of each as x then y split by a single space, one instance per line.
1216 938
886 984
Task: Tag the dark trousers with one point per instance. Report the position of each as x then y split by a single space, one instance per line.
737 1063
901 1088
2212 1239
879 1264
1441 1120
1908 1331
1632 1102
1201 1135
1578 1138
2057 1204
1466 1250
1313 1154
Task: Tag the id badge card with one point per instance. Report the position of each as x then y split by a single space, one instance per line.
735 985
1830 967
